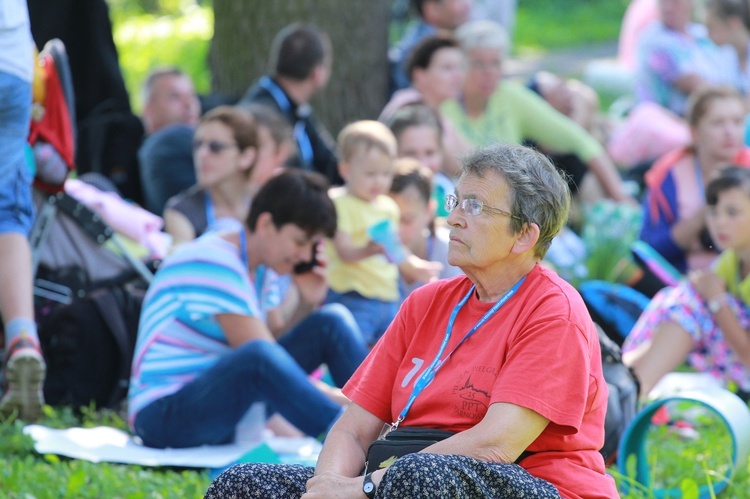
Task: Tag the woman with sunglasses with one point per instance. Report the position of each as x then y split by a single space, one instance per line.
231 163
506 357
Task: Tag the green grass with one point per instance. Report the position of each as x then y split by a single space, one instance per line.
28 475
686 462
675 462
542 25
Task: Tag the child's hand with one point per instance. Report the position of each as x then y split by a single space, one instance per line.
415 269
707 284
428 271
372 248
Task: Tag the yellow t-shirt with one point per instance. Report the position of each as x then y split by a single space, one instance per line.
372 277
728 268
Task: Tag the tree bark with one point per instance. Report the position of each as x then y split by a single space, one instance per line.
244 30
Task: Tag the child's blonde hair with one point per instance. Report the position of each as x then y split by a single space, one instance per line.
366 134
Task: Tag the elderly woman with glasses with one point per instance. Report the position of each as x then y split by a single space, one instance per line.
231 156
491 109
506 358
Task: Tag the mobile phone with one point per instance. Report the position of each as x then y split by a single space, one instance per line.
307 266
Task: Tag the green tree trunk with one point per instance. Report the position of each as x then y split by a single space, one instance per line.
244 29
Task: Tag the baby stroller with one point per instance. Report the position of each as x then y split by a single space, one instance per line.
88 284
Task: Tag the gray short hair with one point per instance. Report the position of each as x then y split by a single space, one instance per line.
155 75
484 34
539 191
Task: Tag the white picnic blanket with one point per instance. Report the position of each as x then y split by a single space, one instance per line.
106 444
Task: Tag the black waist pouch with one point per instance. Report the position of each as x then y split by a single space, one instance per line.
400 442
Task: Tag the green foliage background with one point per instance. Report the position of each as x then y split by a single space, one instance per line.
150 33
165 32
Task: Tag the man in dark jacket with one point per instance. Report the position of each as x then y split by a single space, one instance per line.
300 66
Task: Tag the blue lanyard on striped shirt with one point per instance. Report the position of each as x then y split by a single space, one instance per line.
210 210
429 374
300 134
260 272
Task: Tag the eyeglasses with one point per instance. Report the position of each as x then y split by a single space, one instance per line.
473 207
214 146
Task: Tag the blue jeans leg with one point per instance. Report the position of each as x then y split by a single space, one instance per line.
16 207
207 410
330 336
373 316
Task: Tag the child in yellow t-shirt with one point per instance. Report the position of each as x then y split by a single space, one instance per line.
365 256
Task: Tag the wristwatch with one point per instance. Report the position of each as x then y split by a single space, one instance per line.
715 304
369 487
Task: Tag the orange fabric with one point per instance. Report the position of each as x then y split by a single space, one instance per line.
658 172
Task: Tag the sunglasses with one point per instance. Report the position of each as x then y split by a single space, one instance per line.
214 146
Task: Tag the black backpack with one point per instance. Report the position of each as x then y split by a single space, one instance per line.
88 347
623 387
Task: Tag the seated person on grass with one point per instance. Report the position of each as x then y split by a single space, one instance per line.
363 271
235 153
705 318
419 230
420 136
215 336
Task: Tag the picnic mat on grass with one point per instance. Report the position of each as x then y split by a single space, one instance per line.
106 444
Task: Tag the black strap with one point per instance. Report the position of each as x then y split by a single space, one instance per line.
86 218
111 311
523 456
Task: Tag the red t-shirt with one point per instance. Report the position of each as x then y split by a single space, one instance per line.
540 350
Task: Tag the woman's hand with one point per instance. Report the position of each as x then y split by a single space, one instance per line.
332 486
707 284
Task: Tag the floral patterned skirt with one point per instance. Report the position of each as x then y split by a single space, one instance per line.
421 475
683 306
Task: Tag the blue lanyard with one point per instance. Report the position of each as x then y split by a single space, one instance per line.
699 179
260 272
210 211
429 374
300 133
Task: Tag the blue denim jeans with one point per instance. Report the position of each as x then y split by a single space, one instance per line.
16 209
207 410
373 316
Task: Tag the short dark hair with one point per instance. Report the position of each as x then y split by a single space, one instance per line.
731 8
419 5
422 53
729 177
414 115
268 117
410 172
298 49
296 197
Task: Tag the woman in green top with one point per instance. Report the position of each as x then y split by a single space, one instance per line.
494 109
